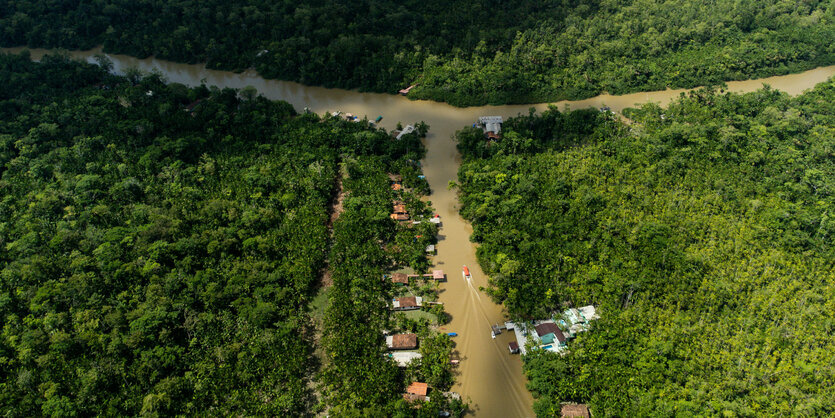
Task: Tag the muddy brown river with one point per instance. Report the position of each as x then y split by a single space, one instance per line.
489 376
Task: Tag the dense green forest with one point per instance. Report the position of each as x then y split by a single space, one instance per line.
703 232
462 52
160 244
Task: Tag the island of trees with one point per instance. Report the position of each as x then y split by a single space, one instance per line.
160 247
703 232
462 52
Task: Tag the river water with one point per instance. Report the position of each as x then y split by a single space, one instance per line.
489 377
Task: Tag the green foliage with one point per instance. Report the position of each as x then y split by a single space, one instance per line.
462 52
158 257
701 231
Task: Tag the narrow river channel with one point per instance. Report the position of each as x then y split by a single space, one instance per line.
489 376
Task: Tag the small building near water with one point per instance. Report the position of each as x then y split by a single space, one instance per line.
400 217
403 358
407 304
552 334
575 410
402 341
491 125
399 212
396 182
400 279
417 392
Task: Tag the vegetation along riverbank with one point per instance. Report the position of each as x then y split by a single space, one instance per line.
161 244
703 233
462 52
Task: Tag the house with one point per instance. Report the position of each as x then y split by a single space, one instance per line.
575 410
399 216
416 392
407 304
430 249
402 341
396 182
400 279
399 211
513 347
577 320
491 124
549 334
403 358
588 312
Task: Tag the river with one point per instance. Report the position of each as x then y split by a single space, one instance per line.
489 377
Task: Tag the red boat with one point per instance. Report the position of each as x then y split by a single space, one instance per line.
466 272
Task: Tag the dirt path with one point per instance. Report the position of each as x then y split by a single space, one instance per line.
325 279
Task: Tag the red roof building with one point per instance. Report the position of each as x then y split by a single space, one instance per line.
400 278
402 341
416 392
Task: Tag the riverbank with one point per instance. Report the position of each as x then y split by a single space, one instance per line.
489 376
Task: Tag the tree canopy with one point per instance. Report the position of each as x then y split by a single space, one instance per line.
462 52
703 233
159 245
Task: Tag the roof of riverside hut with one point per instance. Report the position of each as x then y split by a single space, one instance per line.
575 410
403 341
400 278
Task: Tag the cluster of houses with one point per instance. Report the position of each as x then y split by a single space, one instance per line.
402 347
552 334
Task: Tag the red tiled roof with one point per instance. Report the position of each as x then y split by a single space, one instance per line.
404 341
418 388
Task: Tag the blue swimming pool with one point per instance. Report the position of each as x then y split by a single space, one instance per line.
547 347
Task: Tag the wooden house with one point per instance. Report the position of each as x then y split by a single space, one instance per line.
402 341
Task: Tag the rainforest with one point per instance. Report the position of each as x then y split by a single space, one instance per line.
462 52
703 232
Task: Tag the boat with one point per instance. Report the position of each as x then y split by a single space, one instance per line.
452 334
379 118
466 273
